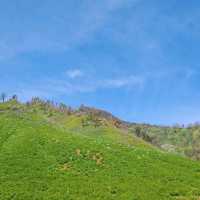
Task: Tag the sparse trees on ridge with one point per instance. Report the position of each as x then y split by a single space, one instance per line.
4 97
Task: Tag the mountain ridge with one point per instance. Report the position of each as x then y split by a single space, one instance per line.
184 141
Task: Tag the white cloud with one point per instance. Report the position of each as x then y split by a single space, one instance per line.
55 87
74 73
124 82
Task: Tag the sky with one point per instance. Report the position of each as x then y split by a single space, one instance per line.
138 59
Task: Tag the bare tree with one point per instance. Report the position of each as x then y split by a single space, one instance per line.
3 97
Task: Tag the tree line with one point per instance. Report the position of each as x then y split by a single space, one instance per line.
4 97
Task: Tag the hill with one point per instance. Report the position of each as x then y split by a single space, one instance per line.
184 141
178 139
53 152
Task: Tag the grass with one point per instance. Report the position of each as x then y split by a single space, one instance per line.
40 160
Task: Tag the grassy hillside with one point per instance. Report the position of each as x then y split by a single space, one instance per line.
46 154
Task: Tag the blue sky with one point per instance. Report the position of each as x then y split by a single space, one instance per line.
138 59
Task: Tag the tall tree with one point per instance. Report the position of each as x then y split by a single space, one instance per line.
3 97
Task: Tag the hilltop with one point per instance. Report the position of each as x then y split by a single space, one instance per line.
51 152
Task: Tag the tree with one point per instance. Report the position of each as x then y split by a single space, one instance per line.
138 131
196 144
62 107
3 97
36 100
14 97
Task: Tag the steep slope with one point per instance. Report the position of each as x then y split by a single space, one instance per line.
51 157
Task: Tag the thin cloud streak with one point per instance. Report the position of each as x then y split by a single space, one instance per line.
74 73
50 88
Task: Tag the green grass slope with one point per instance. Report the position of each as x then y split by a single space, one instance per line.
55 158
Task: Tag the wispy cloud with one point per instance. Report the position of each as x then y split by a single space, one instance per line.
54 32
129 81
55 87
74 73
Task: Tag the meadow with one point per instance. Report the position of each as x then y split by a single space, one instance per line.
53 157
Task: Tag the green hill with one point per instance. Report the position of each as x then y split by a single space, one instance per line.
51 153
184 141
